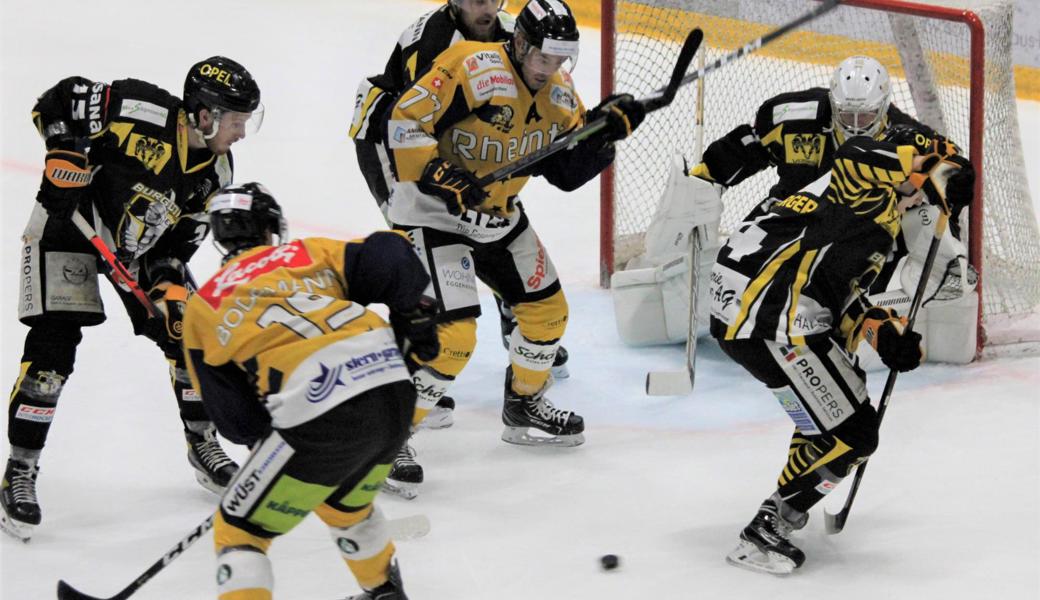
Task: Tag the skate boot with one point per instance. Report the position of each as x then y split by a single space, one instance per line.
391 590
21 511
213 468
521 413
765 545
441 416
405 474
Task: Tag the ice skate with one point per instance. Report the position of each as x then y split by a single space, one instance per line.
20 509
441 416
522 413
391 590
405 474
765 545
213 468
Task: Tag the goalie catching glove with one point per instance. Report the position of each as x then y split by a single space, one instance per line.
457 187
623 113
886 332
416 330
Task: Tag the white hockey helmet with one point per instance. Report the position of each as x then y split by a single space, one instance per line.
860 94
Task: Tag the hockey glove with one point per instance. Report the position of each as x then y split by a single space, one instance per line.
886 332
960 187
168 332
416 329
456 186
65 179
623 113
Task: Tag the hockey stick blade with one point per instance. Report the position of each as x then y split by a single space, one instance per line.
669 383
686 54
67 592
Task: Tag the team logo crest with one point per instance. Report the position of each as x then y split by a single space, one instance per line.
500 117
804 148
152 153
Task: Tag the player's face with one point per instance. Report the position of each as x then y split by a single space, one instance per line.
539 67
232 126
479 16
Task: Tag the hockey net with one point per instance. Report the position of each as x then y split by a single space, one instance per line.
950 68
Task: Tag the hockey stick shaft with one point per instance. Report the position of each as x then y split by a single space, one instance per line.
836 522
656 101
117 271
664 96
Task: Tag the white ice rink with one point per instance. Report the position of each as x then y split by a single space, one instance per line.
948 509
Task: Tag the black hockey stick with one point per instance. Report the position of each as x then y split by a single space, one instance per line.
834 523
67 592
655 101
663 97
401 529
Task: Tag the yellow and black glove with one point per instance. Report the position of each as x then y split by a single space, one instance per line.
623 113
456 186
898 348
168 330
65 179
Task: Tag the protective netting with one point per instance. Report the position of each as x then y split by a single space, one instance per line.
932 54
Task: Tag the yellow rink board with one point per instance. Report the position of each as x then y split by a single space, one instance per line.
827 50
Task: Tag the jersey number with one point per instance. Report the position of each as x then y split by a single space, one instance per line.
301 304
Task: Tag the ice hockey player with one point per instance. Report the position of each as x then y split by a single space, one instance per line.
290 362
798 134
139 163
789 304
481 106
420 43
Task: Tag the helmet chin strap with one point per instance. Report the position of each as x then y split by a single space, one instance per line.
215 113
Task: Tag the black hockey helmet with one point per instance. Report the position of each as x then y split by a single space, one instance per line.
550 26
245 216
220 83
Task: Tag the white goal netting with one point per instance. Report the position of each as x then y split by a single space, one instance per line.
930 60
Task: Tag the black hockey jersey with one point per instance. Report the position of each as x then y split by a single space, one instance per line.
418 45
798 272
150 188
792 132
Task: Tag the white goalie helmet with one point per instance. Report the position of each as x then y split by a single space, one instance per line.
860 94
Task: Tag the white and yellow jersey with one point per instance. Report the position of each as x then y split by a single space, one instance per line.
282 319
473 108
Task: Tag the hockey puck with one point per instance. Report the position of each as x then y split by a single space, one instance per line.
609 562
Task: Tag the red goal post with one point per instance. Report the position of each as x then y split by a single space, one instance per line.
950 67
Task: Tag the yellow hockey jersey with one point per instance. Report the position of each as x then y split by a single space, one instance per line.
282 325
473 108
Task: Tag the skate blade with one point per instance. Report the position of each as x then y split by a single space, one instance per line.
408 491
521 437
748 556
560 372
207 482
438 418
16 529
